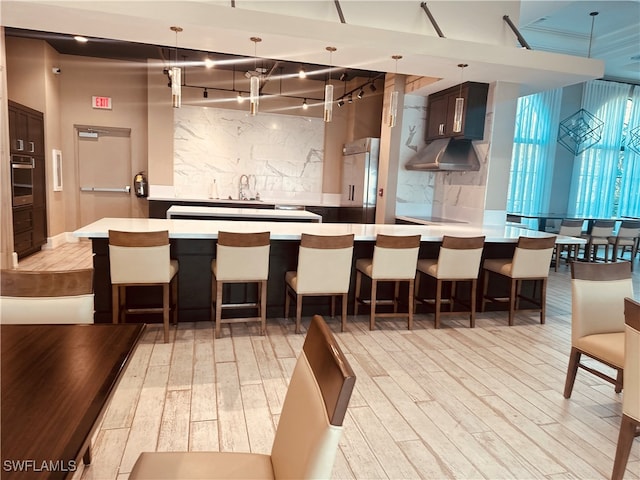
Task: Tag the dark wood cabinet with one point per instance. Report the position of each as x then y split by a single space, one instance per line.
26 135
441 111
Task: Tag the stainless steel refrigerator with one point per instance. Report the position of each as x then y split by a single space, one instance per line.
360 180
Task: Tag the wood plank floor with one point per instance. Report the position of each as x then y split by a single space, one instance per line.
449 403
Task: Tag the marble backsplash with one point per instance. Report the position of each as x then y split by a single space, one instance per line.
282 155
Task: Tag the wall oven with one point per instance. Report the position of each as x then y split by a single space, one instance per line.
22 167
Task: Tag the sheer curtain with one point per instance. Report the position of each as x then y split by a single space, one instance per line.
593 181
630 185
533 152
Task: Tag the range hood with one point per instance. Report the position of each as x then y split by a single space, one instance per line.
446 155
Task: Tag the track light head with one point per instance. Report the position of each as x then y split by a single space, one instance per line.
205 94
350 99
361 93
372 87
340 102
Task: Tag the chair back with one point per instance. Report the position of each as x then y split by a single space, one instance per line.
532 257
314 408
597 297
571 227
460 257
395 257
631 393
36 297
139 257
603 228
242 256
324 264
629 229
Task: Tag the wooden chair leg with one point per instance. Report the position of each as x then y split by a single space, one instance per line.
372 314
357 291
298 312
115 303
288 292
543 301
396 293
213 299
174 294
165 310
122 303
417 290
218 308
512 300
333 306
438 303
452 296
410 304
625 440
557 252
344 312
572 370
485 288
472 317
619 380
263 307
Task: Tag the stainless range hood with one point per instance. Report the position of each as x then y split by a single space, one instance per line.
446 155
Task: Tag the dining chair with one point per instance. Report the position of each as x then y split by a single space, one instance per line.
569 227
598 236
458 261
240 258
38 297
394 260
142 259
531 261
598 291
324 269
308 431
630 421
628 237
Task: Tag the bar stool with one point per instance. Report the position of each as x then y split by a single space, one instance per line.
240 258
142 259
324 269
569 228
531 261
627 237
599 235
394 260
458 260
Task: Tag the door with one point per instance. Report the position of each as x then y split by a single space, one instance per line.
353 179
104 173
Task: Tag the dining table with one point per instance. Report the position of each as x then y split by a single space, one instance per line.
56 384
543 217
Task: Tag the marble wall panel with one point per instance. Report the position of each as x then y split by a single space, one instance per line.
281 154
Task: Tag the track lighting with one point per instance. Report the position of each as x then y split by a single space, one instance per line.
361 93
305 105
340 102
302 73
350 99
372 87
344 76
239 97
80 39
205 94
208 63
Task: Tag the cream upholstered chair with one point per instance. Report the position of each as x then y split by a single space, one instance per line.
598 236
630 422
628 237
394 260
597 318
240 258
570 228
324 269
308 432
531 261
35 297
458 260
142 259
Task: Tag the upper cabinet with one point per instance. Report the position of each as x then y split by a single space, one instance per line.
441 111
26 130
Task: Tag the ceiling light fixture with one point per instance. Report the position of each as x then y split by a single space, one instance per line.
176 76
80 39
328 90
254 92
239 97
305 105
372 87
459 109
208 63
393 100
361 93
302 73
205 94
340 102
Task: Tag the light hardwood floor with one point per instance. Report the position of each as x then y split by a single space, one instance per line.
449 403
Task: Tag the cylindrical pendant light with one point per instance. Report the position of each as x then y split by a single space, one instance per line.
176 75
328 90
459 110
393 99
254 91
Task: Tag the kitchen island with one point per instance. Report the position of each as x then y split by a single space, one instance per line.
246 214
193 244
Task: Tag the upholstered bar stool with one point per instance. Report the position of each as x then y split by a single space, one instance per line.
240 258
627 237
569 228
599 236
630 422
37 297
324 269
531 261
142 259
394 260
459 260
598 291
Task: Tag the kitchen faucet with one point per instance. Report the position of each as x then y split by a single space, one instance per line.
244 185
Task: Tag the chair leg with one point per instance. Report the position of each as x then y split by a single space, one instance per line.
287 300
572 370
619 380
218 308
438 303
410 304
512 300
485 288
122 304
396 292
625 440
417 290
557 252
263 307
115 303
333 306
344 312
543 301
472 317
165 310
174 294
357 291
372 314
298 312
213 299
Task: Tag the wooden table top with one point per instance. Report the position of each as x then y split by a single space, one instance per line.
56 381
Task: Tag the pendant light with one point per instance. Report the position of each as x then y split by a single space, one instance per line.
328 90
459 110
176 76
254 91
393 99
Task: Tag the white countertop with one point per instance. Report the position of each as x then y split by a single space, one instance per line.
239 213
208 229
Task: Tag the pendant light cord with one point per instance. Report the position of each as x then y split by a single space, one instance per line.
593 20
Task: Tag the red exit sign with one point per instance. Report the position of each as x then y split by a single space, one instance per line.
103 103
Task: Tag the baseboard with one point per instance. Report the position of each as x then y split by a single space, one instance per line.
60 239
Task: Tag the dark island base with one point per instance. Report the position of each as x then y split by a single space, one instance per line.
194 281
